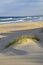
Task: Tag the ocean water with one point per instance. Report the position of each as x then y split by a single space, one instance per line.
20 19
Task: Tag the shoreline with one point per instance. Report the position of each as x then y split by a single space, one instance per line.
17 22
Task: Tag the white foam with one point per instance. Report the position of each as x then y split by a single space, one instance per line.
6 19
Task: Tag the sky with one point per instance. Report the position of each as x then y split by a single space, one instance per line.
21 7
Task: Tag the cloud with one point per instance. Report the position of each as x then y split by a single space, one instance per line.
21 7
3 2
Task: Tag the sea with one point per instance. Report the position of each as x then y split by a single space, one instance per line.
11 19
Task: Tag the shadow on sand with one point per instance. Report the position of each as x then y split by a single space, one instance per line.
11 51
13 34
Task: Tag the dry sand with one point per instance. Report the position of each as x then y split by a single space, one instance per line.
4 28
27 54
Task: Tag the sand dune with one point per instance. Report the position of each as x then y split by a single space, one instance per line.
28 53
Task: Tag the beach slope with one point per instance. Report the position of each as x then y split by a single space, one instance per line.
29 53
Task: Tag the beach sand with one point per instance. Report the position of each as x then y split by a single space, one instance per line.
4 28
26 54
